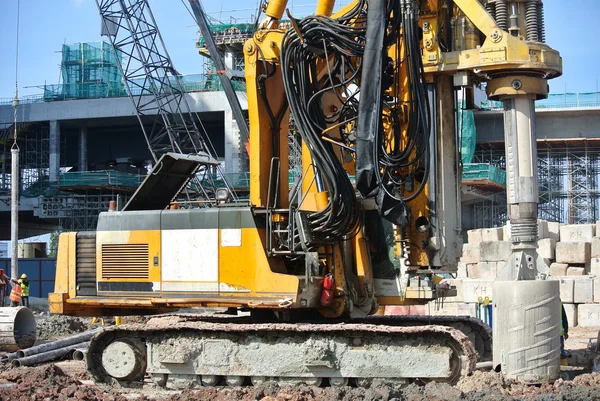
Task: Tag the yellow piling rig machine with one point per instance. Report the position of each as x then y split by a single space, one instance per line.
371 91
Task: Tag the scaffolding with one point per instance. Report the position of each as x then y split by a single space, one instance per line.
491 212
88 70
568 173
479 178
228 35
77 212
33 140
230 39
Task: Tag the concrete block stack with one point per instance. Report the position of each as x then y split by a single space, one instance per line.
575 247
488 249
466 301
485 253
571 251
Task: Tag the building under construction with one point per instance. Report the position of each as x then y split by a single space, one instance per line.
82 144
568 160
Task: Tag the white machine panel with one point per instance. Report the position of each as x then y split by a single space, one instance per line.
190 255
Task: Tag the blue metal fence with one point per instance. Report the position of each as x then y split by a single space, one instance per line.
40 273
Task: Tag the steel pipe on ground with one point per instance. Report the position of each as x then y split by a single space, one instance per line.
79 354
488 365
18 328
47 356
77 338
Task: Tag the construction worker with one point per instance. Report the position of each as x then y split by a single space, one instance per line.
15 293
24 290
3 288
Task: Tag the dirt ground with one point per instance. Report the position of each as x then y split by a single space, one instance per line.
68 380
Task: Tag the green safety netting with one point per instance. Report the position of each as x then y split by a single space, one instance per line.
556 101
108 178
103 178
467 134
91 70
569 100
483 171
41 188
212 83
88 70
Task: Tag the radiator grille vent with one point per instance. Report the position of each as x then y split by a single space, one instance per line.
85 270
126 261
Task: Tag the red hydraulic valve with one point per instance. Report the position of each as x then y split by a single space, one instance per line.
327 294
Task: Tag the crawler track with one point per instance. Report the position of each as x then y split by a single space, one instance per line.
478 332
233 351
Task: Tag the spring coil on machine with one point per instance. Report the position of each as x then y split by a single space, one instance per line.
502 14
541 22
491 9
531 20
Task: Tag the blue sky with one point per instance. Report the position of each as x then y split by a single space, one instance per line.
46 24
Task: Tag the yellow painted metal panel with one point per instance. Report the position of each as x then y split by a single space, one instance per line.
245 271
261 143
478 15
325 7
345 10
61 283
275 8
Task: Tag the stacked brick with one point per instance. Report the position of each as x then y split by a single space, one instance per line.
578 270
571 251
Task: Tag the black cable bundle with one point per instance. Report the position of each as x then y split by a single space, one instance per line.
416 154
320 39
388 164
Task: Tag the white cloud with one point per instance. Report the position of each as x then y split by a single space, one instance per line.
78 2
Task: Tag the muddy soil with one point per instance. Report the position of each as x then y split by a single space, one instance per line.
563 391
58 326
67 381
49 383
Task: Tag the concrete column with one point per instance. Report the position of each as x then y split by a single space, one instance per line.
233 145
54 150
228 59
4 168
82 157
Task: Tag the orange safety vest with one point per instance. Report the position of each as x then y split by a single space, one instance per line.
15 293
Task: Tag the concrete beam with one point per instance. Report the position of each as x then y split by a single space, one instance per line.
199 102
550 124
235 153
29 225
82 155
54 150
